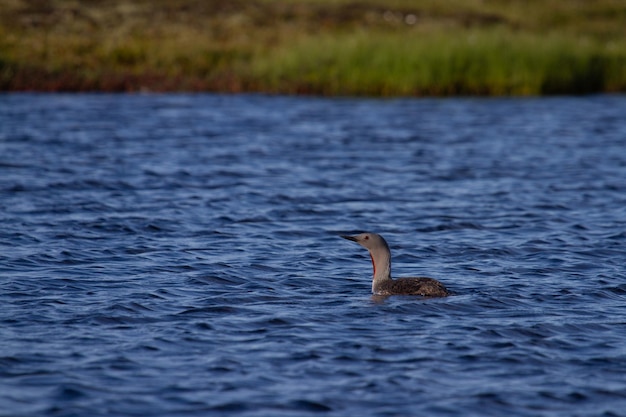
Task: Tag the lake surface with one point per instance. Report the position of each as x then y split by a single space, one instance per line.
178 255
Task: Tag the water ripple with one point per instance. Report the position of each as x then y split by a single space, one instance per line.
179 255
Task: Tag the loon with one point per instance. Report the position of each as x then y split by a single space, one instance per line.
382 283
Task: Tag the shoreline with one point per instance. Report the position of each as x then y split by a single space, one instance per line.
323 48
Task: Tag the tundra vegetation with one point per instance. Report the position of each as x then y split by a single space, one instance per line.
328 47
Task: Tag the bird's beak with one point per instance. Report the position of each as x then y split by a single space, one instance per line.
352 238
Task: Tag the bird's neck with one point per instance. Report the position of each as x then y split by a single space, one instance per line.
381 262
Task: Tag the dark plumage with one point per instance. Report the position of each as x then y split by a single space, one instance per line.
427 287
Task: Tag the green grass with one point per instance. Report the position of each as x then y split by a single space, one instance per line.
330 47
474 62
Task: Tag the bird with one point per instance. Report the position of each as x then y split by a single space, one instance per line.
382 283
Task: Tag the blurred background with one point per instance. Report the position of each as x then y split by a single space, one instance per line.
328 47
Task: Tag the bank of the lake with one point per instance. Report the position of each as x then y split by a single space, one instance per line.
340 47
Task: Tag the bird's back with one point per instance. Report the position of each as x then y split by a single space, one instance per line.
427 287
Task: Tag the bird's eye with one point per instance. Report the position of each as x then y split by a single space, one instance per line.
367 237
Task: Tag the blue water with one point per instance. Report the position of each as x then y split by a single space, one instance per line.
178 255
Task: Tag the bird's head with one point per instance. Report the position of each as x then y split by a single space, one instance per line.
370 241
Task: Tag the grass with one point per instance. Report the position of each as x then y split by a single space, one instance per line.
494 62
330 47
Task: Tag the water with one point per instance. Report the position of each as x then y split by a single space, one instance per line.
178 255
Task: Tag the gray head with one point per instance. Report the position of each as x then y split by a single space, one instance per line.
370 241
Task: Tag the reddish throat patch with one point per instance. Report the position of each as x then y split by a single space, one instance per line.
373 264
